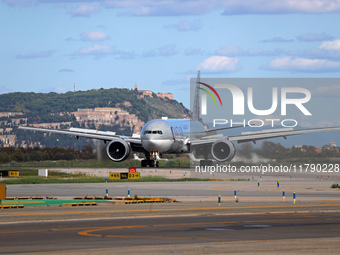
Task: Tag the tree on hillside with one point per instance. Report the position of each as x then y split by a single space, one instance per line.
18 156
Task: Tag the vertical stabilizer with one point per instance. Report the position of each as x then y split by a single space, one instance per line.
196 109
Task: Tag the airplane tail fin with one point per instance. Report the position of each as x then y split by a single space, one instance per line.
196 110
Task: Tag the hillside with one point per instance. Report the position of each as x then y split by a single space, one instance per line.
41 106
128 111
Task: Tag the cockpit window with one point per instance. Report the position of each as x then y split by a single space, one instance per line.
147 132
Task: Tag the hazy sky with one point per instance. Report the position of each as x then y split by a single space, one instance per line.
48 45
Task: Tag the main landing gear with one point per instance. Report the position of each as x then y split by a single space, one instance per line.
203 162
150 163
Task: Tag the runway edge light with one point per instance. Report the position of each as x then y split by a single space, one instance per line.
283 195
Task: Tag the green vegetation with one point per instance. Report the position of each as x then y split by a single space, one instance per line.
58 108
96 163
85 179
45 107
32 172
296 155
60 157
10 154
75 163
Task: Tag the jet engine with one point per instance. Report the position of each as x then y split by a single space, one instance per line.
223 150
118 150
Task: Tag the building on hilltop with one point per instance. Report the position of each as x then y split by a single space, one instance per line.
52 125
8 140
166 95
149 93
10 114
330 145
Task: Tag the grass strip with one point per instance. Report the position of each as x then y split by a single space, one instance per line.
34 172
43 180
49 202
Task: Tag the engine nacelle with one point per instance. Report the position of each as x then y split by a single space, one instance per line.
223 150
118 150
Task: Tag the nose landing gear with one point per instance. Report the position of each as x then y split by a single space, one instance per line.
151 162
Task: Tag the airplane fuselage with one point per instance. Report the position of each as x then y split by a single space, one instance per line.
169 135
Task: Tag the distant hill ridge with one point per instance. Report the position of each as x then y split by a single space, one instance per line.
55 110
40 105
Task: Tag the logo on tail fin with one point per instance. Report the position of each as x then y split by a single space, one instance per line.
196 111
213 90
204 97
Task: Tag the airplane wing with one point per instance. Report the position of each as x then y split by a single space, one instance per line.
88 133
253 136
213 130
265 134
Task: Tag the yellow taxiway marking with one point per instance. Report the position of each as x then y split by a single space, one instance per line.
86 232
92 231
22 231
14 202
69 229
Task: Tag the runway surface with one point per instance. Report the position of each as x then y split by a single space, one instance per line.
259 222
253 233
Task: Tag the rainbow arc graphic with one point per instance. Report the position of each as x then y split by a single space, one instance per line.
209 93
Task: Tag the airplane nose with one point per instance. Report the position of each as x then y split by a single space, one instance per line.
156 145
149 145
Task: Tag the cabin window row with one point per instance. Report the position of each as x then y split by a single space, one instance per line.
148 132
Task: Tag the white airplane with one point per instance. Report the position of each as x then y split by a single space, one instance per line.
173 136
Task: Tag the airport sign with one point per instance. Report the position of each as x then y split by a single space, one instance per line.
124 176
